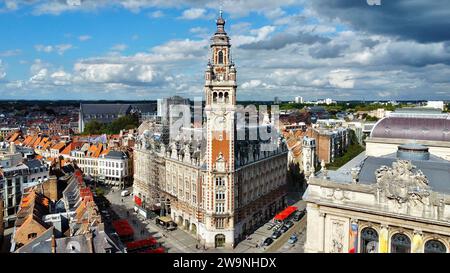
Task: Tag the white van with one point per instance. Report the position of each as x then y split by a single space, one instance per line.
124 193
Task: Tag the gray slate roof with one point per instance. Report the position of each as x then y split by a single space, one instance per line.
116 155
437 171
34 163
107 108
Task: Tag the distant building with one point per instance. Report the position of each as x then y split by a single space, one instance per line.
6 131
38 172
298 100
61 220
107 113
436 104
420 125
164 106
15 175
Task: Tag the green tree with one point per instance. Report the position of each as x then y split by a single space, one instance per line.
93 127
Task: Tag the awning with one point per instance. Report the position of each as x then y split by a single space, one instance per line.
123 228
285 213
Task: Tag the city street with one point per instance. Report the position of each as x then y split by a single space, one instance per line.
179 241
176 241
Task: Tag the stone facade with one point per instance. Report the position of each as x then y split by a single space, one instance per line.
385 215
218 187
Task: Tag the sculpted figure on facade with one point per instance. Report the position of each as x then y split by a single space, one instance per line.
403 182
337 237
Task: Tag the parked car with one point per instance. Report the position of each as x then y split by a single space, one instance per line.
283 229
124 193
299 215
276 234
270 226
267 241
293 239
289 224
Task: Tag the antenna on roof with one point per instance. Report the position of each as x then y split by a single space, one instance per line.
220 8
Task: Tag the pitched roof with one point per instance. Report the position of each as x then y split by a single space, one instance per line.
107 108
59 146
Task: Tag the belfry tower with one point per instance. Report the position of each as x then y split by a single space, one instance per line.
220 96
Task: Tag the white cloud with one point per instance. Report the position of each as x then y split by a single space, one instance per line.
84 38
11 5
156 14
119 47
2 70
116 73
60 49
341 78
193 13
44 48
61 77
256 35
10 53
251 84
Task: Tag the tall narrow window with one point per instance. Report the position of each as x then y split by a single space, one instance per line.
220 57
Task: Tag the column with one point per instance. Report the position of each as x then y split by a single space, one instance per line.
417 242
315 230
322 232
384 239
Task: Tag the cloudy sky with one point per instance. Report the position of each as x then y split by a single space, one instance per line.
148 49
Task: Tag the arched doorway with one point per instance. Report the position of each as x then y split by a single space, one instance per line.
179 220
435 246
186 224
219 240
193 228
369 241
400 243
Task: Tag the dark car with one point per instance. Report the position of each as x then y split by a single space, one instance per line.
289 224
299 215
270 226
283 229
267 241
276 234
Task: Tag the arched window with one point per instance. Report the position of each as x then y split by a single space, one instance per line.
369 241
226 97
220 97
434 246
220 57
214 97
400 243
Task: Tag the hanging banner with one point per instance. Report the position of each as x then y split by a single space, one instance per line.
417 243
384 240
353 241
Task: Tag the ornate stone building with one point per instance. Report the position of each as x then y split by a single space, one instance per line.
396 203
219 186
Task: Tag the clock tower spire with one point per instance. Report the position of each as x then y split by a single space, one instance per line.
220 96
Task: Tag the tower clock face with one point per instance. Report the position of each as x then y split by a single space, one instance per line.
219 123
